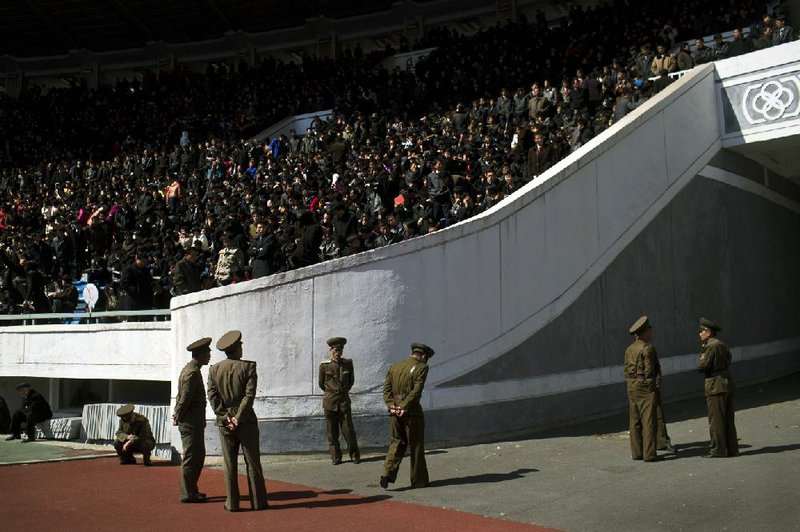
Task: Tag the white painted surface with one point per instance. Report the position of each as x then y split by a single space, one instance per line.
134 351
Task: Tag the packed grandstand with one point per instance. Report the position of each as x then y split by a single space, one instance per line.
117 184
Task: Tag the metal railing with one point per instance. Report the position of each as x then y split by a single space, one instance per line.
63 318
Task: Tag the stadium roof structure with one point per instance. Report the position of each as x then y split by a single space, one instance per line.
40 28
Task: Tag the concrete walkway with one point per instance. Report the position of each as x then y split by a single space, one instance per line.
581 477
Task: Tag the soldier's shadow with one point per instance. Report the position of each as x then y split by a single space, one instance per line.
770 450
477 479
331 503
697 448
287 495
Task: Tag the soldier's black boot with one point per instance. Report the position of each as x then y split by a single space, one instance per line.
385 482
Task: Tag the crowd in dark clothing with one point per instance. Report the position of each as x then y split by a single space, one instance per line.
152 179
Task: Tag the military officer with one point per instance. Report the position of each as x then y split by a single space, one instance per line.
402 391
190 417
336 377
715 363
641 369
231 392
133 436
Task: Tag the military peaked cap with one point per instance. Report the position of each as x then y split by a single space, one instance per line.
337 341
229 339
710 325
640 325
422 348
23 385
124 410
197 345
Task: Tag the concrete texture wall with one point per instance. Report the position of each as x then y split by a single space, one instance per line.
131 351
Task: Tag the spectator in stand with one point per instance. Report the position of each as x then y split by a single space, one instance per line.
662 61
186 273
783 33
230 264
136 283
740 45
702 54
684 59
720 49
540 156
65 299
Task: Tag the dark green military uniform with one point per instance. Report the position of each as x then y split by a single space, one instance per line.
190 416
641 373
715 362
231 392
663 441
402 391
336 377
135 428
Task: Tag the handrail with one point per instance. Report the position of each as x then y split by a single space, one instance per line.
84 317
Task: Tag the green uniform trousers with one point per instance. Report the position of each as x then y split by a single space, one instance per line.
246 436
337 421
663 439
194 455
721 425
643 423
408 432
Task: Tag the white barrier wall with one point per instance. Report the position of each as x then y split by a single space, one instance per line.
475 290
132 351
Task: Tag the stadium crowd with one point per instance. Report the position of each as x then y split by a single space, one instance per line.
150 189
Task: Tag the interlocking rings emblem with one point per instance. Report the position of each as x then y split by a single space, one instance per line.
773 100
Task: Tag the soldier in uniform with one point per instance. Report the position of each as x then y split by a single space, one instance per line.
231 392
190 417
641 369
133 436
336 377
715 363
402 391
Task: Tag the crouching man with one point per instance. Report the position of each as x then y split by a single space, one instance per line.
133 436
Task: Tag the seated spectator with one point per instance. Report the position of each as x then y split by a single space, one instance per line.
134 435
35 409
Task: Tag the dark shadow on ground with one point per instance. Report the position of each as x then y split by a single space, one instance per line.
771 450
476 479
753 396
331 503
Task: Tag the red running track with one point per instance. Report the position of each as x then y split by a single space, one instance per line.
101 495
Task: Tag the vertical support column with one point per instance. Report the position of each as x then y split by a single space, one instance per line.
54 393
13 83
90 75
111 397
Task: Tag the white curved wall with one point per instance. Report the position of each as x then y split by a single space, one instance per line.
474 290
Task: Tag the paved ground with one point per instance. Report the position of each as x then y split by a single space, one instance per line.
581 477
